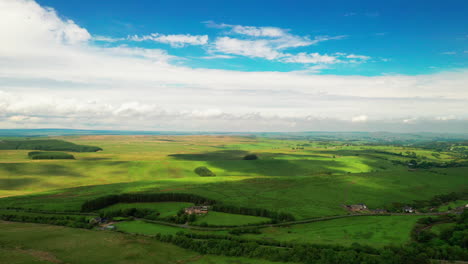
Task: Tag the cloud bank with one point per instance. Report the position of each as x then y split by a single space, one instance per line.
52 74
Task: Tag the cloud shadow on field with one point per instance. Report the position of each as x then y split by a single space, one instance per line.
38 169
232 162
16 183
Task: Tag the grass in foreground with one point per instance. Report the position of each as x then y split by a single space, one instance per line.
22 243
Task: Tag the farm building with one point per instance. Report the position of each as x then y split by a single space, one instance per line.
97 220
408 209
356 207
196 210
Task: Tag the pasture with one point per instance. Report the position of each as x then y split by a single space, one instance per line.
225 219
376 231
308 179
25 243
312 180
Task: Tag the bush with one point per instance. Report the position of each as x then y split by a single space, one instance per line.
204 172
250 157
49 155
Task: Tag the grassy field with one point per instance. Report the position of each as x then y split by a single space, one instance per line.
374 231
367 230
452 205
305 178
225 219
23 243
144 228
309 182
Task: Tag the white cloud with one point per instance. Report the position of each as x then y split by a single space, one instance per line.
218 56
268 43
360 118
23 118
266 49
176 41
106 39
310 58
449 53
153 54
360 57
259 31
250 30
56 77
249 48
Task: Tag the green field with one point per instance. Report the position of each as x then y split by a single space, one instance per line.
34 243
308 182
374 231
305 178
225 219
452 205
144 228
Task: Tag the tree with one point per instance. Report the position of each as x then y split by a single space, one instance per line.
204 172
250 157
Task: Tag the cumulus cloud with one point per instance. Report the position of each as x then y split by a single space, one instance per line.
360 118
52 75
106 38
354 56
176 41
259 31
310 58
250 30
249 48
268 43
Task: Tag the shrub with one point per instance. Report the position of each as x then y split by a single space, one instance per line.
204 172
250 157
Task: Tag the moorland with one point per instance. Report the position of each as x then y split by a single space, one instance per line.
269 199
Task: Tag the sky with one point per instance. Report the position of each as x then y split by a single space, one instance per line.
399 66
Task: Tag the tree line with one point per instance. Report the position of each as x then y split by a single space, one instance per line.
423 205
105 201
70 221
296 252
49 155
450 244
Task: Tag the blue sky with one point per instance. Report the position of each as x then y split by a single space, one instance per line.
400 37
396 66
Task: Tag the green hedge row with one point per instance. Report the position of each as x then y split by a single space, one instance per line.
49 155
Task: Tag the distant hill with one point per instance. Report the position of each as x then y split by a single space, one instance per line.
369 137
